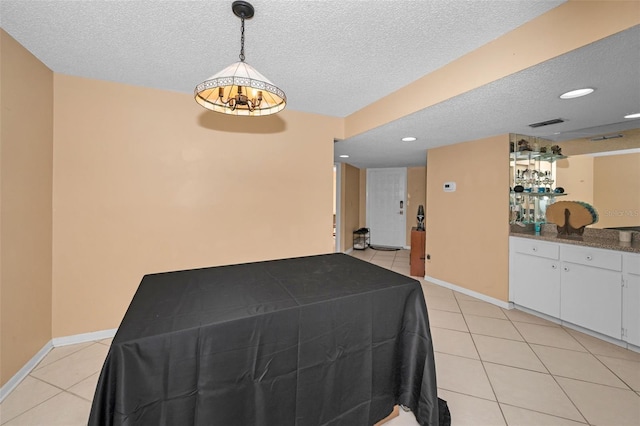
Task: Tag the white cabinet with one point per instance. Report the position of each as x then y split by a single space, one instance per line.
631 299
591 289
536 276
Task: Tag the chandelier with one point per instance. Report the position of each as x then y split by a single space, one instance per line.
239 89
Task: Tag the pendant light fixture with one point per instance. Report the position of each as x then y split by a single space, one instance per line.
239 89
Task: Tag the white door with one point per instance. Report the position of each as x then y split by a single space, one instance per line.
386 202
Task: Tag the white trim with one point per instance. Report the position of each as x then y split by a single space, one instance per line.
349 251
483 297
338 237
619 152
84 337
609 339
24 371
54 343
537 314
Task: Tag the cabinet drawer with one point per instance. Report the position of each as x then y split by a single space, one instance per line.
631 264
597 258
535 248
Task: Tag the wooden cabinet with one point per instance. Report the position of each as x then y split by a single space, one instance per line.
418 246
631 299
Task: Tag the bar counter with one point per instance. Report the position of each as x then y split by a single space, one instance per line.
607 239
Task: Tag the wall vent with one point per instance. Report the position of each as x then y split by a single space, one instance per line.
547 123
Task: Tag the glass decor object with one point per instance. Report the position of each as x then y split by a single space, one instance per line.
420 218
532 182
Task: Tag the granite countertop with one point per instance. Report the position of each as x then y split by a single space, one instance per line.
598 238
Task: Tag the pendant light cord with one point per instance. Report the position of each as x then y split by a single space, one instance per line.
242 41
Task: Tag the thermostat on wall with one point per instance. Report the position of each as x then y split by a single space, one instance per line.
449 186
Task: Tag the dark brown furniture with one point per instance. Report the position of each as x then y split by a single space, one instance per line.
416 260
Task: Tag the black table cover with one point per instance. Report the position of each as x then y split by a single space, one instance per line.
309 341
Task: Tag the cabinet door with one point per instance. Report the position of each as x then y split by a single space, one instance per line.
592 298
631 309
536 284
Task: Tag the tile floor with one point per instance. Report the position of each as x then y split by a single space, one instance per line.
494 366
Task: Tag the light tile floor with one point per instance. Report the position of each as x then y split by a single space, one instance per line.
494 367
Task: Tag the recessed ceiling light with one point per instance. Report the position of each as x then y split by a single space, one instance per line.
344 156
577 93
408 139
635 115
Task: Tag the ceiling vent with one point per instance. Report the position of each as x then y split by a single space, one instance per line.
604 138
547 123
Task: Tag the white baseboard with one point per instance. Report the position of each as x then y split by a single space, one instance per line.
84 337
55 342
537 314
24 371
483 297
612 340
349 251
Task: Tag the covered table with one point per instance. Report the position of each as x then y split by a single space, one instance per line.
309 341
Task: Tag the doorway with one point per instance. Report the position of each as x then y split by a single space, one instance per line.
386 206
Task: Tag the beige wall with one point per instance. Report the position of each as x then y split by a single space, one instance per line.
350 204
575 175
616 207
148 181
26 143
468 230
416 195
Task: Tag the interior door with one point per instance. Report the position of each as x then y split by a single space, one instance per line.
386 202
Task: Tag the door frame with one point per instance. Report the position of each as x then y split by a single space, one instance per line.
338 238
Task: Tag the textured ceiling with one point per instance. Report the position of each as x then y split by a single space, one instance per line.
330 57
509 105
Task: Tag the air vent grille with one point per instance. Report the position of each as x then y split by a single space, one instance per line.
547 123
